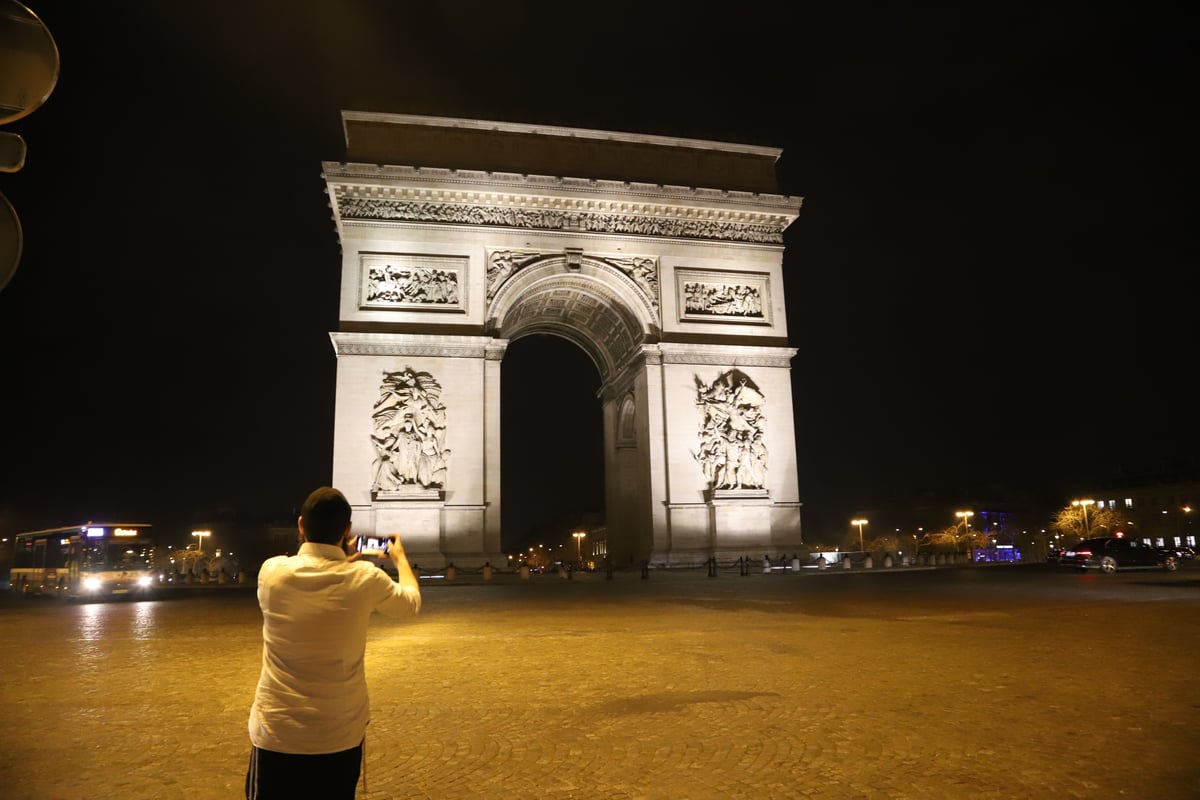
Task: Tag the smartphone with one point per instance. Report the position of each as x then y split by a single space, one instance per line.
373 544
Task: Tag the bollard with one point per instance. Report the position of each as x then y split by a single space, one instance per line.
766 565
451 572
645 570
887 561
846 563
487 571
524 572
822 563
868 562
712 567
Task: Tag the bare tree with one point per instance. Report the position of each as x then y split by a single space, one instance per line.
1077 522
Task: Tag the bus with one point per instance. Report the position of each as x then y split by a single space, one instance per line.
92 561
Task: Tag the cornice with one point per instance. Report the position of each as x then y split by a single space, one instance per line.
727 355
383 176
403 344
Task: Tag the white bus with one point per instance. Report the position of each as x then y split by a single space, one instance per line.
92 561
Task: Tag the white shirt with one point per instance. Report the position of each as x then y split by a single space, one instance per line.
312 691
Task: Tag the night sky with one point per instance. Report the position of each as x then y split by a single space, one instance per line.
991 282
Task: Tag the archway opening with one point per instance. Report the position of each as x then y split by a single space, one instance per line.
552 445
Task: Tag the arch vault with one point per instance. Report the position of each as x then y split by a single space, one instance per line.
661 258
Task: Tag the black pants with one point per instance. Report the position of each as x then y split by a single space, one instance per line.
286 776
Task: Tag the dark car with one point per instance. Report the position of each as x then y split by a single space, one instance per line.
1180 552
1112 553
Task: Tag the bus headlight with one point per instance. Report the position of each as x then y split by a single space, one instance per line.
144 581
91 584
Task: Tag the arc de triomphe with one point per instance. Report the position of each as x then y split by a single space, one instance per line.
660 257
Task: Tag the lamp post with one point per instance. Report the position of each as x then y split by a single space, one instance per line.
859 523
200 539
1181 519
965 516
1083 504
579 545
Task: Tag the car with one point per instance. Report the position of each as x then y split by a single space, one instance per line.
1181 552
1113 553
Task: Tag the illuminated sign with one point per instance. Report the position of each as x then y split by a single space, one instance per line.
124 532
95 533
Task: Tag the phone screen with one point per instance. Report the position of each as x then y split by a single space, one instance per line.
374 543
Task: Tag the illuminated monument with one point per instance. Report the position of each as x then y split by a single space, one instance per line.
661 258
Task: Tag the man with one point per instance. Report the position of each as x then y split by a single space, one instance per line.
311 710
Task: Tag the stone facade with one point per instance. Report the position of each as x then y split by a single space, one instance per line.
675 293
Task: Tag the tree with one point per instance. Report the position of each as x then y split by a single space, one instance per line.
1077 522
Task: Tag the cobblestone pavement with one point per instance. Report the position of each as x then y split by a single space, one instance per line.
998 683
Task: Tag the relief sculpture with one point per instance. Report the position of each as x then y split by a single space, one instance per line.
501 266
643 271
718 299
733 453
388 284
410 433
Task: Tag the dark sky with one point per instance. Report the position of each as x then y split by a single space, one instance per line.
991 282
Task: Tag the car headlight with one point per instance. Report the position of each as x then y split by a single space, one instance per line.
144 581
91 584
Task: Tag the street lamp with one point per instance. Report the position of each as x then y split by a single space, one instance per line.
1179 520
965 516
200 539
1083 504
579 545
860 523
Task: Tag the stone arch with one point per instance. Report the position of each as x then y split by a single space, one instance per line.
595 306
446 260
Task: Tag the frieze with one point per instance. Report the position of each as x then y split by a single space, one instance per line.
365 208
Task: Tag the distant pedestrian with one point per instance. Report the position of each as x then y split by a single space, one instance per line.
309 718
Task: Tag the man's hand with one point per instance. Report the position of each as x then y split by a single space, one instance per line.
404 573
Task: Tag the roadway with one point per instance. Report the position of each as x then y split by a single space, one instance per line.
967 682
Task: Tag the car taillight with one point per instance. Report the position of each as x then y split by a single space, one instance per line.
1084 553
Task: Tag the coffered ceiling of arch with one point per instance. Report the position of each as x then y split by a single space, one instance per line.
597 323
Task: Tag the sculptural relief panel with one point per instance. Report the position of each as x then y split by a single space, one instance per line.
732 446
412 282
719 296
409 433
